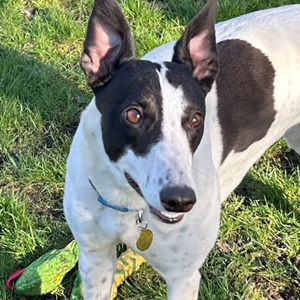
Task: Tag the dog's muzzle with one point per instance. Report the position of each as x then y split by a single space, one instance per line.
176 200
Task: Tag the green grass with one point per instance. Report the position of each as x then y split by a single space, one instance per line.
42 92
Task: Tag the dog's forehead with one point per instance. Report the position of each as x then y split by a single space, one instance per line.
141 81
133 81
179 76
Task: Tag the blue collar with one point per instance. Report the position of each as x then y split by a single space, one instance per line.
107 204
119 208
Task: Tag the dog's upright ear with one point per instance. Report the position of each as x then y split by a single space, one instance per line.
197 47
108 42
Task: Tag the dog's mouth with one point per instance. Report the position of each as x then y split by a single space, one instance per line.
165 217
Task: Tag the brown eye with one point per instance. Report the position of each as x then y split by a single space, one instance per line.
195 120
133 116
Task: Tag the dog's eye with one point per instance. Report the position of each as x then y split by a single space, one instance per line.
195 120
133 115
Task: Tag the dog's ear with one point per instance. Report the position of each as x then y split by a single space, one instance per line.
108 43
197 47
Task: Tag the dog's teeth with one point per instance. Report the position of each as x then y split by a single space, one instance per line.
170 215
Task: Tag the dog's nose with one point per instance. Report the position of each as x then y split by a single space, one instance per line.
178 198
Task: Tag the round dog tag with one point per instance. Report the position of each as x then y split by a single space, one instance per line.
144 240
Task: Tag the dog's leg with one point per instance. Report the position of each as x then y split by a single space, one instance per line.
97 268
183 287
292 138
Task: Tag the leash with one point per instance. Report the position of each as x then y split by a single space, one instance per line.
145 237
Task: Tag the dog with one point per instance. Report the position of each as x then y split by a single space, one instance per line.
167 138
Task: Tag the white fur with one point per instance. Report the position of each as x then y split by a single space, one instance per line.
274 32
96 227
179 249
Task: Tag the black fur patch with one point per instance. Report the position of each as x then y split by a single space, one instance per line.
245 87
180 76
135 84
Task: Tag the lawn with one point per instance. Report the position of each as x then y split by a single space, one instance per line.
43 91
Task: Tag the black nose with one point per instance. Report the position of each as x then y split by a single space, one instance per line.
178 198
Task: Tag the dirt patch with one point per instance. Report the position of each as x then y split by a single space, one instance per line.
290 293
71 128
41 203
287 161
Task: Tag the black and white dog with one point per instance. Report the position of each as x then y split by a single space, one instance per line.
166 142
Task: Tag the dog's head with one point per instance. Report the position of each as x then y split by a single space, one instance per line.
152 115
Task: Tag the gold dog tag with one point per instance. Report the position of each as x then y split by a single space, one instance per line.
144 240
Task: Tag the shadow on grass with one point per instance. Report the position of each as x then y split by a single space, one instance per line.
253 189
40 111
28 85
31 89
41 87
